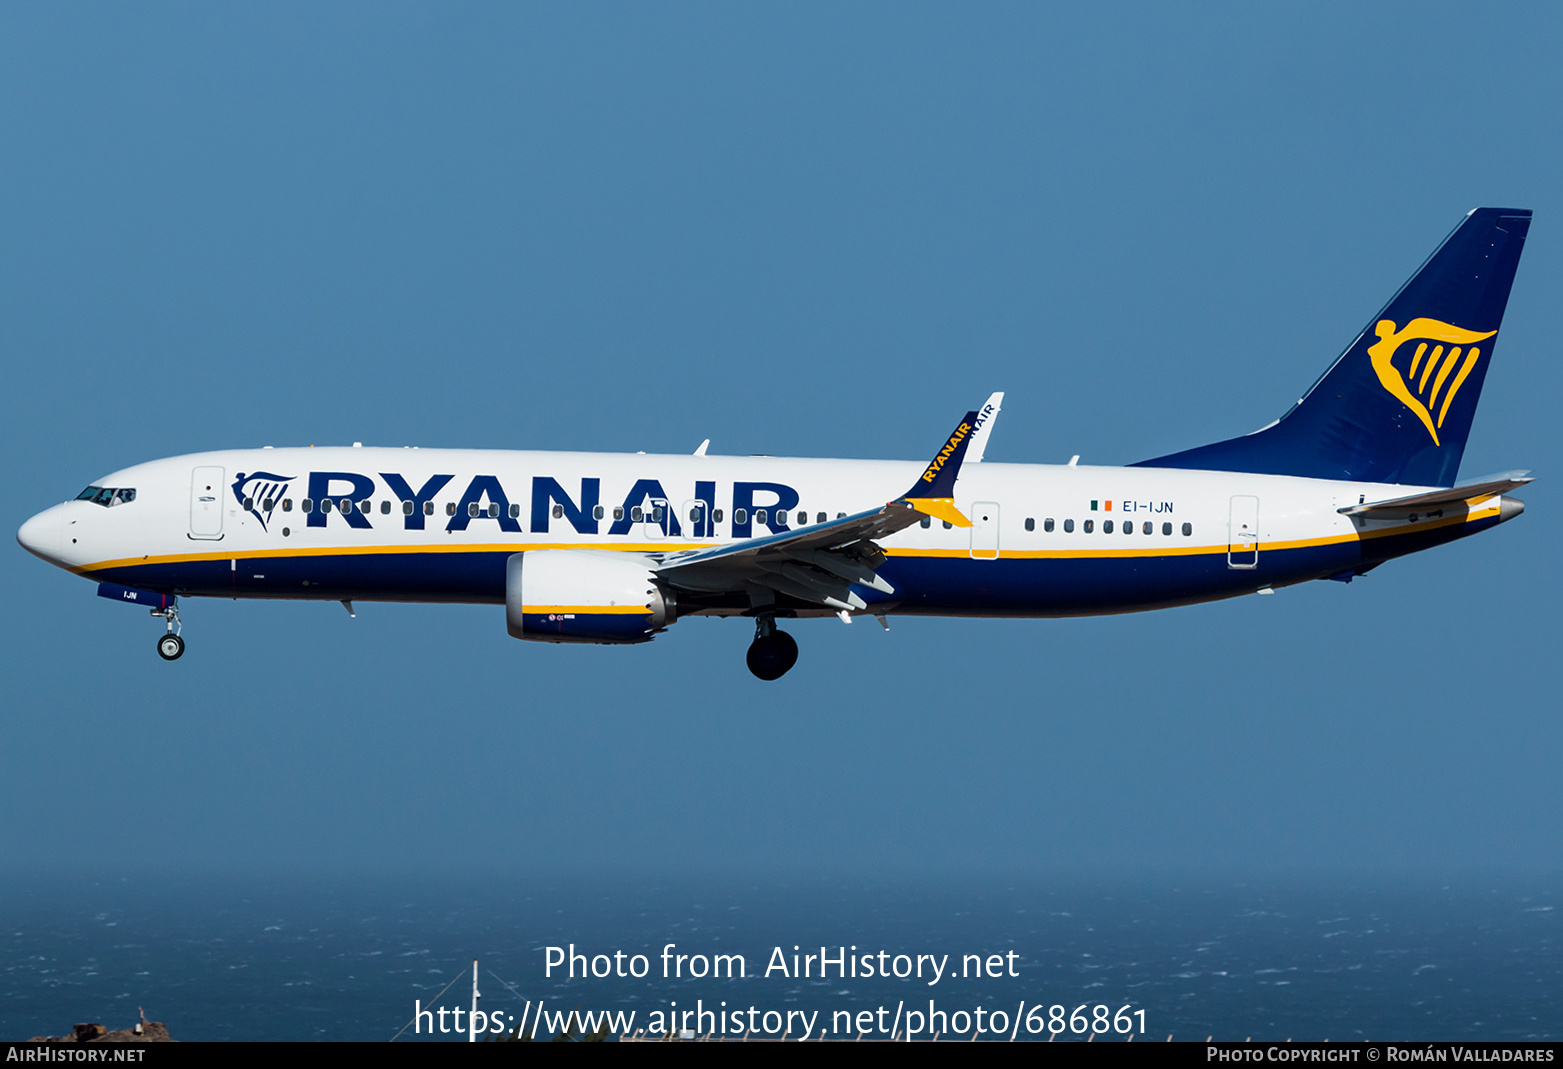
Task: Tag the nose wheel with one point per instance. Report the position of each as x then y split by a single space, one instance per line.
170 646
772 652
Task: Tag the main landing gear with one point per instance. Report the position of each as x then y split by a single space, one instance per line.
170 646
773 652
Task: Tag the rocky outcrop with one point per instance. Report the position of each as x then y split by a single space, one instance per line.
151 1032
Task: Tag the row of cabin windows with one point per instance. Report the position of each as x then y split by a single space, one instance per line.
1088 526
637 513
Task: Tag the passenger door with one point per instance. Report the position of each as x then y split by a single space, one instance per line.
206 503
1243 533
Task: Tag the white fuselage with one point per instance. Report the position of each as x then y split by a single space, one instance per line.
1046 539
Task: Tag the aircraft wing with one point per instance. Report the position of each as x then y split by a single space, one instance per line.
819 563
1464 494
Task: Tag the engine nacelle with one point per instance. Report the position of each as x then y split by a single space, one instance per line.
584 595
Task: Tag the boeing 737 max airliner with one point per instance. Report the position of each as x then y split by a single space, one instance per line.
609 548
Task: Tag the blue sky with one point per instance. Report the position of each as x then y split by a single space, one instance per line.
803 229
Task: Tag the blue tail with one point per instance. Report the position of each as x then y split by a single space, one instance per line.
1397 406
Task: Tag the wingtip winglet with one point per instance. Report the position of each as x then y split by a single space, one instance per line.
938 478
933 494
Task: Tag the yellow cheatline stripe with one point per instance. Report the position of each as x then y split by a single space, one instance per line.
648 547
369 551
588 610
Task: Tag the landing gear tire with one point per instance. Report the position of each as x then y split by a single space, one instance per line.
170 647
770 656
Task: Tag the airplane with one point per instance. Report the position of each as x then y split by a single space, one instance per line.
614 548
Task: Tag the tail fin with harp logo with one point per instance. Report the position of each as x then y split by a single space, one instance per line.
1396 407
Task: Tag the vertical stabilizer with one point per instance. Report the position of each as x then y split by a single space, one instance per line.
1396 407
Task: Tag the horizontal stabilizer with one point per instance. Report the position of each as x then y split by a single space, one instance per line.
1465 494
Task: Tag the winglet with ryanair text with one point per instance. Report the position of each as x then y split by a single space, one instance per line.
933 494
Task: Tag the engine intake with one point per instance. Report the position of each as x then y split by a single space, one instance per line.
584 595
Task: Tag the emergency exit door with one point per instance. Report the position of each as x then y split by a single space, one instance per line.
984 518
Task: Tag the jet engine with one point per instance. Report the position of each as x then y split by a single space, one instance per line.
585 595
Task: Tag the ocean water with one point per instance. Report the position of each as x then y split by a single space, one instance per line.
221 959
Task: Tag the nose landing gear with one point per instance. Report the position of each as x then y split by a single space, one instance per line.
170 646
773 652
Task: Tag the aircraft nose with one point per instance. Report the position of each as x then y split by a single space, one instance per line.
42 535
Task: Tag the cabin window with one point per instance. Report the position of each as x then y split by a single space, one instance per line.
558 511
428 508
1128 526
346 506
1166 528
287 504
1031 523
306 506
596 511
740 516
1188 529
841 515
694 514
493 510
761 516
472 508
450 508
618 512
636 514
947 524
1047 525
515 512
366 507
1147 527
249 503
325 505
819 517
1107 526
268 505
1069 526
716 517
406 508
385 507
656 514
1089 526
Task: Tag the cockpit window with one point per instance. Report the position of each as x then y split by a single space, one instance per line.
107 496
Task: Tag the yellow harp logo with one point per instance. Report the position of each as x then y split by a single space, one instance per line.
1436 356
